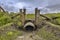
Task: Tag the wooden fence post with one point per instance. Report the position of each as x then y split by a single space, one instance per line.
23 13
1 9
37 14
21 16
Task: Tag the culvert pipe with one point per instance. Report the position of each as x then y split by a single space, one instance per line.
29 26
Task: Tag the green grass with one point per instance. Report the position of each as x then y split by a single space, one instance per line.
54 15
10 35
47 35
5 20
51 15
30 16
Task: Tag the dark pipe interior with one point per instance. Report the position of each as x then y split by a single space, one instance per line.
29 28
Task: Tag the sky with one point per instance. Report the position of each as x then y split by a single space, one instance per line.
43 5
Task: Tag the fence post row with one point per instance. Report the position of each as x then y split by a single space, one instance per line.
23 13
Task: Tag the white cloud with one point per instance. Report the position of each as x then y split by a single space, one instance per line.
21 5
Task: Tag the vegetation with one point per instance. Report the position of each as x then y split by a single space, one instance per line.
6 21
48 33
6 33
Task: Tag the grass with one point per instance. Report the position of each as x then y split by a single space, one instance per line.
30 16
51 15
10 35
54 15
6 21
47 35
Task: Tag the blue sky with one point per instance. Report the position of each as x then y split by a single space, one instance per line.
44 5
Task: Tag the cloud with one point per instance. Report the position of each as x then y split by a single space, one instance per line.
29 4
53 2
44 5
21 5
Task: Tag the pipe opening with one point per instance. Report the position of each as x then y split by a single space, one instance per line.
29 28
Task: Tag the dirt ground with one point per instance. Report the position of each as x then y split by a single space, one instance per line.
29 36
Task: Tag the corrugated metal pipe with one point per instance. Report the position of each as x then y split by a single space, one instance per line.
29 26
